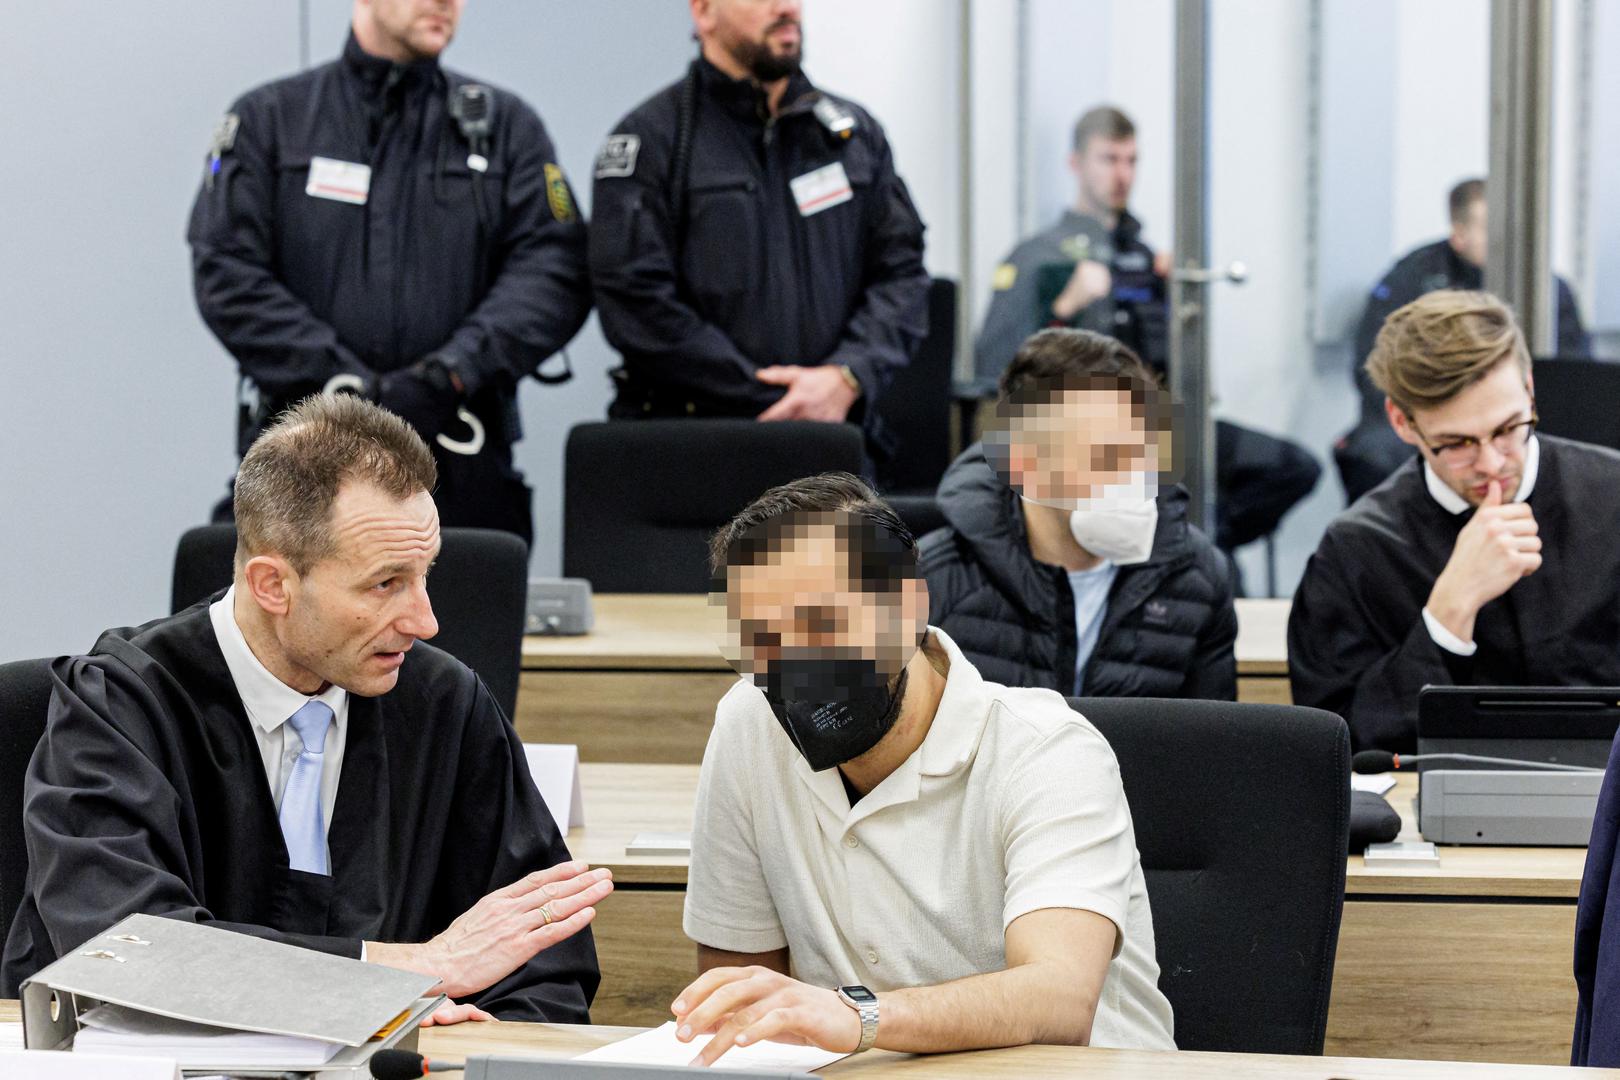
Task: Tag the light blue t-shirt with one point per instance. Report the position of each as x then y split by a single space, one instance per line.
1091 588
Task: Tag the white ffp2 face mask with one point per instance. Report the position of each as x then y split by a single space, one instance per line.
1119 524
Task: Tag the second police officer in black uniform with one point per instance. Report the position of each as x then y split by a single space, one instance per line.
754 252
381 225
1092 270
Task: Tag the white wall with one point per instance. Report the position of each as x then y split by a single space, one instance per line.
1095 53
997 152
1603 306
1442 116
116 427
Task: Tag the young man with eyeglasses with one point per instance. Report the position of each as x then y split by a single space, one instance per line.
1488 560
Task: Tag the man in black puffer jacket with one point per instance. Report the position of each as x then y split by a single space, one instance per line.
1029 601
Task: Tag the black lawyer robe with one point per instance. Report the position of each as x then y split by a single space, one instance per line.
148 794
1357 643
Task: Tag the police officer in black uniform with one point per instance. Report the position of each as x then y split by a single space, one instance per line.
1090 271
753 250
384 226
1093 271
1371 450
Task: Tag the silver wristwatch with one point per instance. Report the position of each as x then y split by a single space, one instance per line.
865 1003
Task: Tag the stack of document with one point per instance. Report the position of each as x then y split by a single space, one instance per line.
114 1029
219 1001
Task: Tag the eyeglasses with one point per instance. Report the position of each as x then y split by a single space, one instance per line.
1463 452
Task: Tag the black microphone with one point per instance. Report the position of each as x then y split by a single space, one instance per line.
1381 761
403 1065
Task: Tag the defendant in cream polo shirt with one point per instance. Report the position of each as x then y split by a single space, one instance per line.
889 850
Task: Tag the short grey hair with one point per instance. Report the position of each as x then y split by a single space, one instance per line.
291 474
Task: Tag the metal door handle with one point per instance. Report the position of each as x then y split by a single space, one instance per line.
1236 272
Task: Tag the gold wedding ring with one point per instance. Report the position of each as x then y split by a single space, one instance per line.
545 913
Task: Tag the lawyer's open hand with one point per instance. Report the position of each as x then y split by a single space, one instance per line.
505 929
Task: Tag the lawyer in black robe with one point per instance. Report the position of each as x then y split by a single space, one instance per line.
148 794
1357 643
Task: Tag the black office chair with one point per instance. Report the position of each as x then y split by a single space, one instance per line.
1575 399
642 497
479 588
921 513
916 407
25 693
204 563
1242 815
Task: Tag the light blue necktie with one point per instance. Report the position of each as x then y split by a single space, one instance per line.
303 825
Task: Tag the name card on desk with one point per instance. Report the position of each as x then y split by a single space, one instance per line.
555 768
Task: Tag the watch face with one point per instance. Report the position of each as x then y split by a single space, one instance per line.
860 995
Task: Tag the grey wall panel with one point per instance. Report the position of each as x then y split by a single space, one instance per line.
115 426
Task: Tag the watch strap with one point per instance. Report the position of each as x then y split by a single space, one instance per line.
868 1012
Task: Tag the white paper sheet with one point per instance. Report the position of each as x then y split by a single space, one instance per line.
55 1065
113 1029
660 1047
1377 784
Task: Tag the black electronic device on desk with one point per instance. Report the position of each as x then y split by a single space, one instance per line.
1512 765
1558 725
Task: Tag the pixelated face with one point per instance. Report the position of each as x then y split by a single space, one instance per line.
1106 169
1468 235
1480 435
421 29
764 36
1076 445
798 600
354 615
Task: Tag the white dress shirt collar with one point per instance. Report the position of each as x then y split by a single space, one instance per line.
269 701
1454 503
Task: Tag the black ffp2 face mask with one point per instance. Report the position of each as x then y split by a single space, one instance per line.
833 709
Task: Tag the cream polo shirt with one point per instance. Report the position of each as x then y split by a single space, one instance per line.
1012 804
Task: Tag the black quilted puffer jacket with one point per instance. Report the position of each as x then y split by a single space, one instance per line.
1167 631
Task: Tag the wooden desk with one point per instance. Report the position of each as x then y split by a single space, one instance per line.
1469 960
1016 1063
560 1041
642 686
1478 950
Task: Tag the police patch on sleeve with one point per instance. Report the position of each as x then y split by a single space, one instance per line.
1005 277
219 144
224 136
618 156
562 203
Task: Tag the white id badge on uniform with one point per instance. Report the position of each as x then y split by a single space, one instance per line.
344 181
821 189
